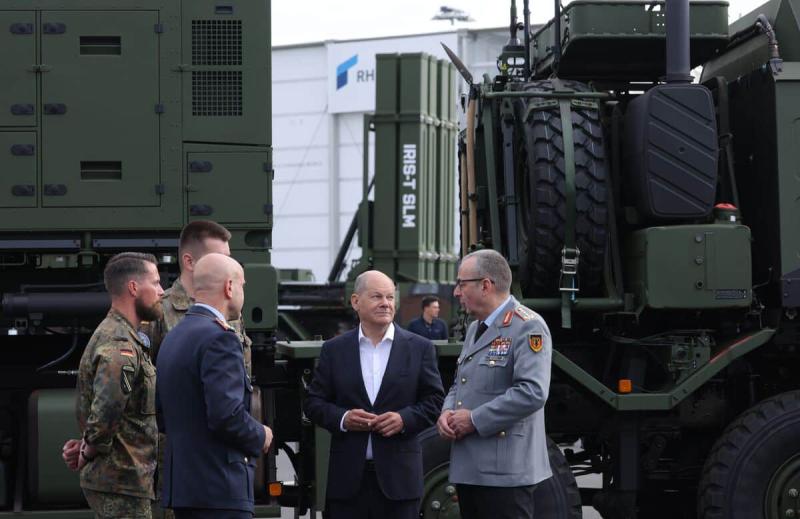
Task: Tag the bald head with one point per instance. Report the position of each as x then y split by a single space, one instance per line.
219 282
368 278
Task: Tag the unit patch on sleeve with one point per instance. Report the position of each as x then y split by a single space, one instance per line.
535 342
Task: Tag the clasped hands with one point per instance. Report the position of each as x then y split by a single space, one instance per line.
454 425
386 424
74 453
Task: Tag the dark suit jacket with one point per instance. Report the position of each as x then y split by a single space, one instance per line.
203 397
411 386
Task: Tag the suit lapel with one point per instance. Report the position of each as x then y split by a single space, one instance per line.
354 355
397 359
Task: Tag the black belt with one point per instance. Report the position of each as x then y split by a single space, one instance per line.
369 465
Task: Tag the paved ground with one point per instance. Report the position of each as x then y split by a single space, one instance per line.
285 473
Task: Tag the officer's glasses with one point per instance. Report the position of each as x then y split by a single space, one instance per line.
460 282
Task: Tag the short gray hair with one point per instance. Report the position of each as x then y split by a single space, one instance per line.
491 264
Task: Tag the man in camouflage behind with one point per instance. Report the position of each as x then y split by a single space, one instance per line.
116 395
197 239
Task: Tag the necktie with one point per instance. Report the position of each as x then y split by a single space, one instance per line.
481 328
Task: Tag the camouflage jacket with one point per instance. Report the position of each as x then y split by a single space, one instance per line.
174 303
116 410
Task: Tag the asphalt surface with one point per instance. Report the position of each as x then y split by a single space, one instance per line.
285 472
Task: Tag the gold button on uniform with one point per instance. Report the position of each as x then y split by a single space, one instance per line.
491 363
245 459
502 434
458 403
463 380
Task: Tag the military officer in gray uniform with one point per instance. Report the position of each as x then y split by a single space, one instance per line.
494 412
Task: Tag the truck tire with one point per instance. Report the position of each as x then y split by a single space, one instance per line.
556 498
543 201
753 467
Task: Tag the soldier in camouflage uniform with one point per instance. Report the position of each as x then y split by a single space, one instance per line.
197 239
116 395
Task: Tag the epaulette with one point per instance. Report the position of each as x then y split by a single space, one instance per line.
525 313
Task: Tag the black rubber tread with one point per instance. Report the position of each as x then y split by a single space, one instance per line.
543 196
556 498
742 462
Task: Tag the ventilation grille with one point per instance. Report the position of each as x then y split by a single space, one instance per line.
216 42
217 92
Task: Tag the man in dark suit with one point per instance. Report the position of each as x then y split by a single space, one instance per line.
203 396
374 389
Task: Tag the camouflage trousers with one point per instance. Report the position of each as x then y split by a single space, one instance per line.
106 505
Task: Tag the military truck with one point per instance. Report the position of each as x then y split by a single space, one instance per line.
651 216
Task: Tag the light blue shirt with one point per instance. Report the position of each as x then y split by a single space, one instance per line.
497 311
374 358
213 310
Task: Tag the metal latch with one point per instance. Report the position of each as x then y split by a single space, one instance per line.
570 258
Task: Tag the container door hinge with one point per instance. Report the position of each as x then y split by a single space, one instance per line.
22 150
160 108
23 190
200 210
21 28
55 108
160 189
158 28
200 166
22 109
54 28
55 189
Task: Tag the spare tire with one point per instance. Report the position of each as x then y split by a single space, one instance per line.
543 203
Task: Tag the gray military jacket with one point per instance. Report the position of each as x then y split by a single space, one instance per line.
504 379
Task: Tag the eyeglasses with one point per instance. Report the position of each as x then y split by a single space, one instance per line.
460 282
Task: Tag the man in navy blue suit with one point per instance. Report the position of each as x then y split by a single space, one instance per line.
203 397
374 389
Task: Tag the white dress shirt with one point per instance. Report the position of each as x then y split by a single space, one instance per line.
374 358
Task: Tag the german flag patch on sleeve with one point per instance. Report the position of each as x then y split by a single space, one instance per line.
535 342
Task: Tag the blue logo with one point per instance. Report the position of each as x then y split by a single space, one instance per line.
341 71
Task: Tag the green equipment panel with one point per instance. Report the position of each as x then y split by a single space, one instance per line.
225 69
18 167
691 266
229 187
18 92
100 126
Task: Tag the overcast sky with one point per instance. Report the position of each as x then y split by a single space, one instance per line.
302 21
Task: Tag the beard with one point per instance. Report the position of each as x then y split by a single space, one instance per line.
148 313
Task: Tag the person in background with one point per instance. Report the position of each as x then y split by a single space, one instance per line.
428 324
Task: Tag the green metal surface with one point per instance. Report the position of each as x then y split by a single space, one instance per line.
625 38
19 171
787 124
52 422
439 499
413 164
667 400
138 81
690 266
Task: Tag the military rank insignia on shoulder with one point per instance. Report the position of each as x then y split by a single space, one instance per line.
525 313
225 326
125 352
507 318
535 342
